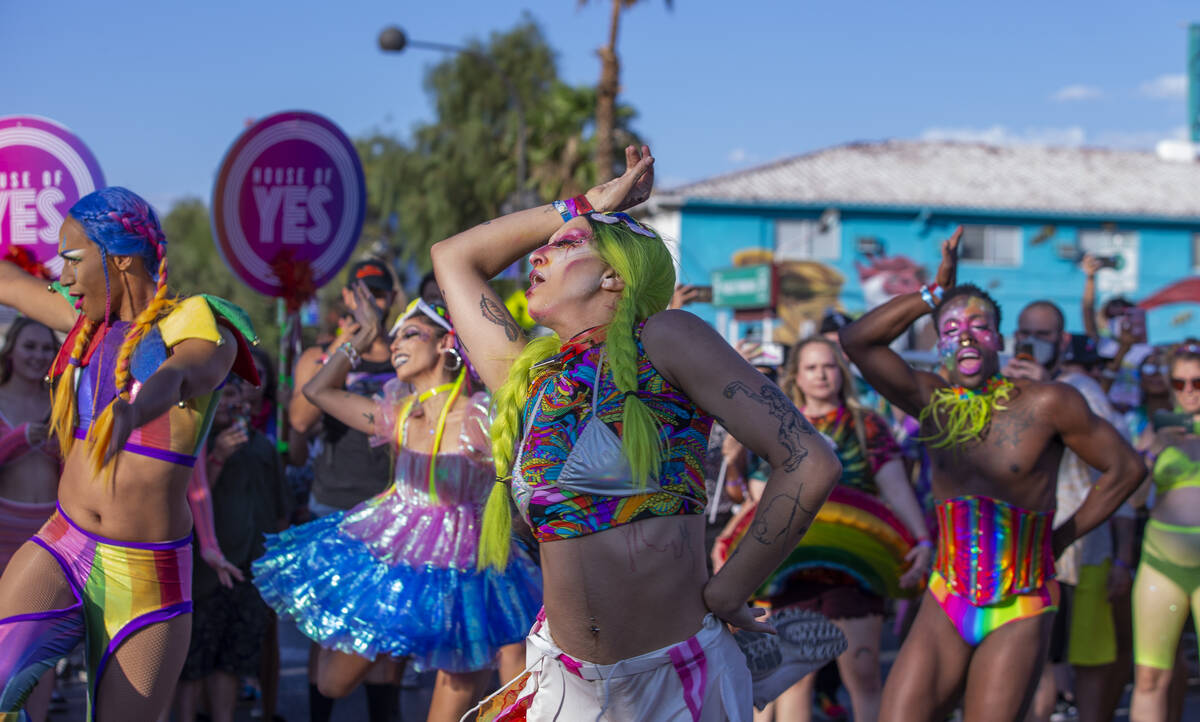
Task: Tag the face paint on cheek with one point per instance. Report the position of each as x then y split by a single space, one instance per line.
947 346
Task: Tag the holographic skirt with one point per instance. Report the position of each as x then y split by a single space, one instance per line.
855 538
395 576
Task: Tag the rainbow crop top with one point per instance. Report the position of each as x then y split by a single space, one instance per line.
1174 470
178 435
571 477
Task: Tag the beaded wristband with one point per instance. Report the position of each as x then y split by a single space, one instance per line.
563 210
924 543
351 354
932 293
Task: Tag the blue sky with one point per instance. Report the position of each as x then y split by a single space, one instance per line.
159 90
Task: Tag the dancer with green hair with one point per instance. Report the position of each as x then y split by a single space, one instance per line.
984 624
598 437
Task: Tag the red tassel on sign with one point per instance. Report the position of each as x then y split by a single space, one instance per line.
23 258
295 279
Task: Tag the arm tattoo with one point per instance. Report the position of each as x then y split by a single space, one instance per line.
370 418
792 425
498 315
762 529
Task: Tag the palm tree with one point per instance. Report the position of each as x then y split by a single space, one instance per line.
606 90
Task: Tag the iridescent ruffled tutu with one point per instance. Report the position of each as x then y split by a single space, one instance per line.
396 575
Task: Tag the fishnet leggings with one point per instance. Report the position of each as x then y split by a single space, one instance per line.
139 678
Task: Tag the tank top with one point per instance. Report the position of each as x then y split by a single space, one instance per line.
349 470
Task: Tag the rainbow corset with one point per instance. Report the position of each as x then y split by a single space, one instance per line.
989 550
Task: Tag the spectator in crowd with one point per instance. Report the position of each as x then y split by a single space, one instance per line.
843 586
29 461
249 499
1092 630
1167 586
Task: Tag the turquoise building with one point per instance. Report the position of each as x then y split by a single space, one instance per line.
852 225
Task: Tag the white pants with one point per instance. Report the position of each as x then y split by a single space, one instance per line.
700 679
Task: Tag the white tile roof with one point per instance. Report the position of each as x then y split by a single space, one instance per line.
940 174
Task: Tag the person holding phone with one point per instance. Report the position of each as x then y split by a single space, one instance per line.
1167 586
1092 628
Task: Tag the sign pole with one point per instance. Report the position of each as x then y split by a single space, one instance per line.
287 209
285 378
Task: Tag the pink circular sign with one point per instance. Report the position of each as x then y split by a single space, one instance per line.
288 203
44 169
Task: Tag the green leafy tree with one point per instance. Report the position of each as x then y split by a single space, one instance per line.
609 146
460 169
196 267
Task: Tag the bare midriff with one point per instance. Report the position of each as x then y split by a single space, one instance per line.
627 590
146 501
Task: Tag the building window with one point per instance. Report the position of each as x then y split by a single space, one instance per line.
991 245
1113 243
809 240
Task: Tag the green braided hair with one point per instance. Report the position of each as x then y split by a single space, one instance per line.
645 265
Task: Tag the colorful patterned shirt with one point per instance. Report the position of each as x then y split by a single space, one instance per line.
858 468
561 398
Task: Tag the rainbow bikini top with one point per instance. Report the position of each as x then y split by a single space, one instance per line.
178 435
1174 470
570 475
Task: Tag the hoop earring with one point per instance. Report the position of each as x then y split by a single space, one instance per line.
458 360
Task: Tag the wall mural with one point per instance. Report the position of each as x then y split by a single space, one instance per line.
807 289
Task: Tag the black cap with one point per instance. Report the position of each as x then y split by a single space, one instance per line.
1082 350
833 321
374 273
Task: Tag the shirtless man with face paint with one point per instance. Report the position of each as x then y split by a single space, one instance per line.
983 625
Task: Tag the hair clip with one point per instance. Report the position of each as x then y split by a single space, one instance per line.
630 222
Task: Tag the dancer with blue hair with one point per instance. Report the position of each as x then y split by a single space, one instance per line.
133 391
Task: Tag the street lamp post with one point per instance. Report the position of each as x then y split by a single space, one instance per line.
393 40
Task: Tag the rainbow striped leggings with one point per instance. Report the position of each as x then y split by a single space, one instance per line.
119 587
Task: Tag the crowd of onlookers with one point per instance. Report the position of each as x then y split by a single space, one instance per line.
262 477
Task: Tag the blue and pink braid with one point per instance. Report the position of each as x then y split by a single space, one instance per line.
120 223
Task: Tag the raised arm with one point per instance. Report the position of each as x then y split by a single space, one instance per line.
804 468
34 298
303 416
464 263
866 341
1100 446
324 389
1090 265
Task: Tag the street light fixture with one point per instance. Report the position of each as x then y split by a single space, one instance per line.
393 39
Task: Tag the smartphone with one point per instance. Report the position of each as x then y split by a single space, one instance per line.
1024 351
703 294
1136 318
1165 419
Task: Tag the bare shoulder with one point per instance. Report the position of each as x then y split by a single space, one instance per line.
667 328
681 345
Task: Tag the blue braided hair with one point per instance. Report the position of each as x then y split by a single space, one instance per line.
121 223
